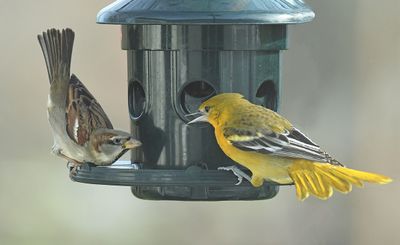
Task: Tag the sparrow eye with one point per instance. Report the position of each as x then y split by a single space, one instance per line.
207 109
116 141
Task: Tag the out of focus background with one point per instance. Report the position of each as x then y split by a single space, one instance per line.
341 86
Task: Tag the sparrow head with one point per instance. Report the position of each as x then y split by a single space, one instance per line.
211 109
109 144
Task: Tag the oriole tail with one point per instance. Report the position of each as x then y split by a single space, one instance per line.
57 51
319 178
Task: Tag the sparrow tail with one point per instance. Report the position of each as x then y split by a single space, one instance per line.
57 51
318 179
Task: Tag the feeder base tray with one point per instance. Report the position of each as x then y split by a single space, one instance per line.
191 184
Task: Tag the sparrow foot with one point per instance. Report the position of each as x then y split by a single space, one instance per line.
74 167
236 171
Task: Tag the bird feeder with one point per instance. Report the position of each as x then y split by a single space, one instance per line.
180 53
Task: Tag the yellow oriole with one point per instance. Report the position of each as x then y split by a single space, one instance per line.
272 149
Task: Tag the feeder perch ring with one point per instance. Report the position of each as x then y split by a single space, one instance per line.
124 173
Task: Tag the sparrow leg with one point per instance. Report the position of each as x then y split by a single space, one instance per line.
57 152
74 167
71 162
236 171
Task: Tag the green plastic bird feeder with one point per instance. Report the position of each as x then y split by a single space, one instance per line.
180 53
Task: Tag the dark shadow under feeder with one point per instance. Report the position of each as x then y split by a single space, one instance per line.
179 55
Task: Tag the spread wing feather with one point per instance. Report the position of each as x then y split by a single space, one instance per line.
84 114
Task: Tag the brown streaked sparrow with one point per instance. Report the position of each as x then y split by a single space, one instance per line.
82 131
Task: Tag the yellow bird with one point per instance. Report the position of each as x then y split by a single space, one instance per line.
272 149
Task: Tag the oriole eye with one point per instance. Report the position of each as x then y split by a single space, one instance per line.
206 108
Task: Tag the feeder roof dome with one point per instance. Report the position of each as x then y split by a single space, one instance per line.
206 12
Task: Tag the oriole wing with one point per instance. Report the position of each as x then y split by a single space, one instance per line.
291 143
84 114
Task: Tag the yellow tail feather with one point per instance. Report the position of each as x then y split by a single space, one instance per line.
318 179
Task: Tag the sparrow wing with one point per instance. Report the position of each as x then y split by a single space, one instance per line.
84 114
291 143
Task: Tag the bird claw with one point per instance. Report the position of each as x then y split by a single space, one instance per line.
236 171
73 167
240 180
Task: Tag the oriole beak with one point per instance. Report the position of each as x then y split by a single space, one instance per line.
202 118
131 144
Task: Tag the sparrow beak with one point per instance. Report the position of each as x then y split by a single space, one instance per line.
202 118
131 144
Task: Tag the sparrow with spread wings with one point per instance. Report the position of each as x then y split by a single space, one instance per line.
81 129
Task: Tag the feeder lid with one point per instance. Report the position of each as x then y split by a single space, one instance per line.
206 12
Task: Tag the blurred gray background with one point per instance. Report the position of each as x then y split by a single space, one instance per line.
341 86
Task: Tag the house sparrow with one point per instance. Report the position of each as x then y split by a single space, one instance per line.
82 131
